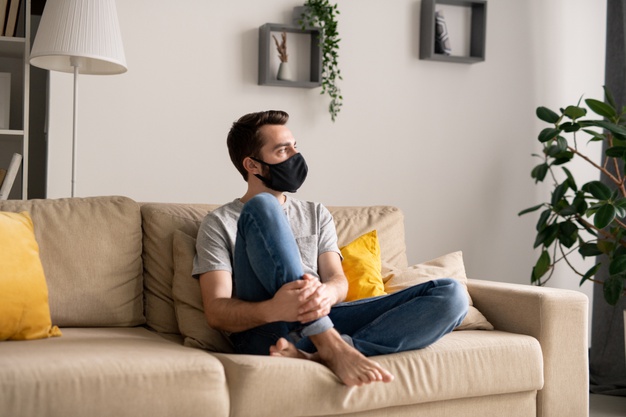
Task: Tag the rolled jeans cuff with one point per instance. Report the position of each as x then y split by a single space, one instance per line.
316 327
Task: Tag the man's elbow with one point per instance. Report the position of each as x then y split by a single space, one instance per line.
213 319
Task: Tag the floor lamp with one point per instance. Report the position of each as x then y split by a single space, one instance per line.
80 37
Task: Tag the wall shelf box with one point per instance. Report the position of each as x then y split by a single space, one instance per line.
478 30
266 47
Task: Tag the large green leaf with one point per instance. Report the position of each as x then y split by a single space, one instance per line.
570 127
547 115
563 158
543 219
613 289
592 271
580 203
539 172
530 209
595 135
598 190
574 112
547 134
570 179
609 96
559 192
546 236
620 203
618 265
604 216
606 246
601 108
589 249
541 267
611 127
616 151
568 233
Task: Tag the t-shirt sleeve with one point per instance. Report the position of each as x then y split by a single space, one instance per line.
328 233
213 247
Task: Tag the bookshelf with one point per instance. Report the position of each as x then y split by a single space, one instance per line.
14 52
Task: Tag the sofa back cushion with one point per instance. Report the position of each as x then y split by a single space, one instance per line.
161 220
90 249
388 221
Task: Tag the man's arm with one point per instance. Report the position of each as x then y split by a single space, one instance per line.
332 290
332 275
233 315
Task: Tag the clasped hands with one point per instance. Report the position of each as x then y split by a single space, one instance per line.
304 300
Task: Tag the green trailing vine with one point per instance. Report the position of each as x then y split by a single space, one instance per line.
323 14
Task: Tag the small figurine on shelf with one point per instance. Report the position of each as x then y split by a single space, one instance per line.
442 41
284 72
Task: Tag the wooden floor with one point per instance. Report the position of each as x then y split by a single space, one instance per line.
607 406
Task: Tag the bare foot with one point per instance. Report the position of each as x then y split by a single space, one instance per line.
287 349
352 367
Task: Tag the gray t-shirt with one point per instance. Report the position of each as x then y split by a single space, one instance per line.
311 223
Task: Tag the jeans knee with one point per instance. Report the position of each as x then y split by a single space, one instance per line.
262 207
262 202
456 297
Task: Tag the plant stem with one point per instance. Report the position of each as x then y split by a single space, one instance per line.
602 169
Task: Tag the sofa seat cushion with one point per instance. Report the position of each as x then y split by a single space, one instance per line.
462 364
109 372
89 247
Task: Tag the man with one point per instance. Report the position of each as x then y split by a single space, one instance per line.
270 271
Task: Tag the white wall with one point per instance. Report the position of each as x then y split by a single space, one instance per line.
450 144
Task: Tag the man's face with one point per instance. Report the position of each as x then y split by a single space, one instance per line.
278 144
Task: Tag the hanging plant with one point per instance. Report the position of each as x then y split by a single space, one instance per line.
323 14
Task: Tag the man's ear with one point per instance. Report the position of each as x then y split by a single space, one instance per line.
251 166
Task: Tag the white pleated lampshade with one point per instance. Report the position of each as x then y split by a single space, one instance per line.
83 33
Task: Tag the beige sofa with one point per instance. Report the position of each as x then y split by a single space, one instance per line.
117 274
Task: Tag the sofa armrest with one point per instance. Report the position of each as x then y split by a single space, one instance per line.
558 319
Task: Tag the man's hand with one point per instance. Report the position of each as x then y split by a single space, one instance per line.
291 297
318 303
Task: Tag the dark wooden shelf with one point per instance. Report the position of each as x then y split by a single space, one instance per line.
265 43
478 31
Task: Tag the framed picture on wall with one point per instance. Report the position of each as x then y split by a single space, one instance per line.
5 99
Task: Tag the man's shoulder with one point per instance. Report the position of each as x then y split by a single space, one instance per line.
312 209
226 213
306 205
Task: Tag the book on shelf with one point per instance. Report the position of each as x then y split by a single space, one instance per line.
9 178
3 173
12 13
5 99
4 4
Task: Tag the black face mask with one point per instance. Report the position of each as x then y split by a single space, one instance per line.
286 176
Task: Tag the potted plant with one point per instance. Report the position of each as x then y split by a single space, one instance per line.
323 14
585 220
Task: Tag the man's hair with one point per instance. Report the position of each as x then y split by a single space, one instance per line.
244 138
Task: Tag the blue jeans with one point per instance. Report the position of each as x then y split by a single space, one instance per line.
267 257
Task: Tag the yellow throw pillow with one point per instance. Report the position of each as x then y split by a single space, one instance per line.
362 266
24 309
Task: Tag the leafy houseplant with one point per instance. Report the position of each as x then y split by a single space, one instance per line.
587 219
322 14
